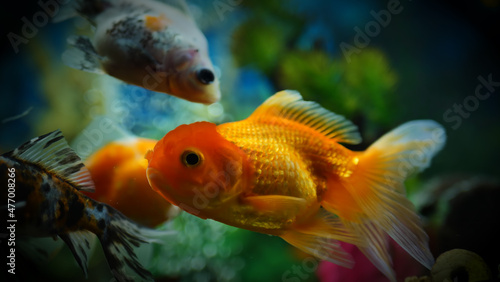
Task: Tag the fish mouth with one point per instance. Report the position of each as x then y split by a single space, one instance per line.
204 93
159 184
186 87
211 98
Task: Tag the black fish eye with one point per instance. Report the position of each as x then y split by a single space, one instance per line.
205 76
190 158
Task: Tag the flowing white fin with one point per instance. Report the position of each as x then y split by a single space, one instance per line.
66 11
80 245
319 236
289 105
320 247
119 237
375 192
375 247
52 153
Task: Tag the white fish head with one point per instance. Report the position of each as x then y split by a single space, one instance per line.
194 78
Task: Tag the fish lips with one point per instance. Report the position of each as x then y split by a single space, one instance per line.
159 184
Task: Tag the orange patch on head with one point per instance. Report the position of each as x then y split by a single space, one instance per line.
156 23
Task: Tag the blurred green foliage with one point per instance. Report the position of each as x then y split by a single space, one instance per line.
361 89
260 42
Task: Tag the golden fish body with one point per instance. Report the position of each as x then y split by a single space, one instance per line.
283 172
288 159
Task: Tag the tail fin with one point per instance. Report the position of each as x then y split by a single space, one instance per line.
118 239
320 236
82 55
66 11
80 245
376 188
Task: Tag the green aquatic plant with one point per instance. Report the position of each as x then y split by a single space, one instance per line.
362 90
266 35
259 42
61 90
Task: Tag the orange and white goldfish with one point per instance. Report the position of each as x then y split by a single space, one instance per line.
146 43
283 172
43 198
119 173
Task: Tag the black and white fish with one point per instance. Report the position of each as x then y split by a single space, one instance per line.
45 177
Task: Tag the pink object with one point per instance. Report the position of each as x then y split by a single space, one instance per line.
403 264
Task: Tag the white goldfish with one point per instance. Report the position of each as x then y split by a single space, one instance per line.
152 44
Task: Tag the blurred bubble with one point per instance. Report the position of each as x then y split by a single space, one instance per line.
224 251
197 263
98 82
176 268
166 105
201 277
215 110
192 229
209 250
129 121
156 102
159 122
138 94
95 111
227 273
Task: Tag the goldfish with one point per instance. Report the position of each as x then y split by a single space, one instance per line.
45 177
119 173
147 43
282 171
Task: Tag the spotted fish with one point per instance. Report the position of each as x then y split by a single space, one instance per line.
153 44
48 176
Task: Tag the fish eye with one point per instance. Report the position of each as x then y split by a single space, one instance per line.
205 76
190 158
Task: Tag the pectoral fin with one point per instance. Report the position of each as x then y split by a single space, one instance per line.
320 247
276 204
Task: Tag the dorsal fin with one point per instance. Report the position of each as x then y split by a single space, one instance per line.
52 152
288 104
